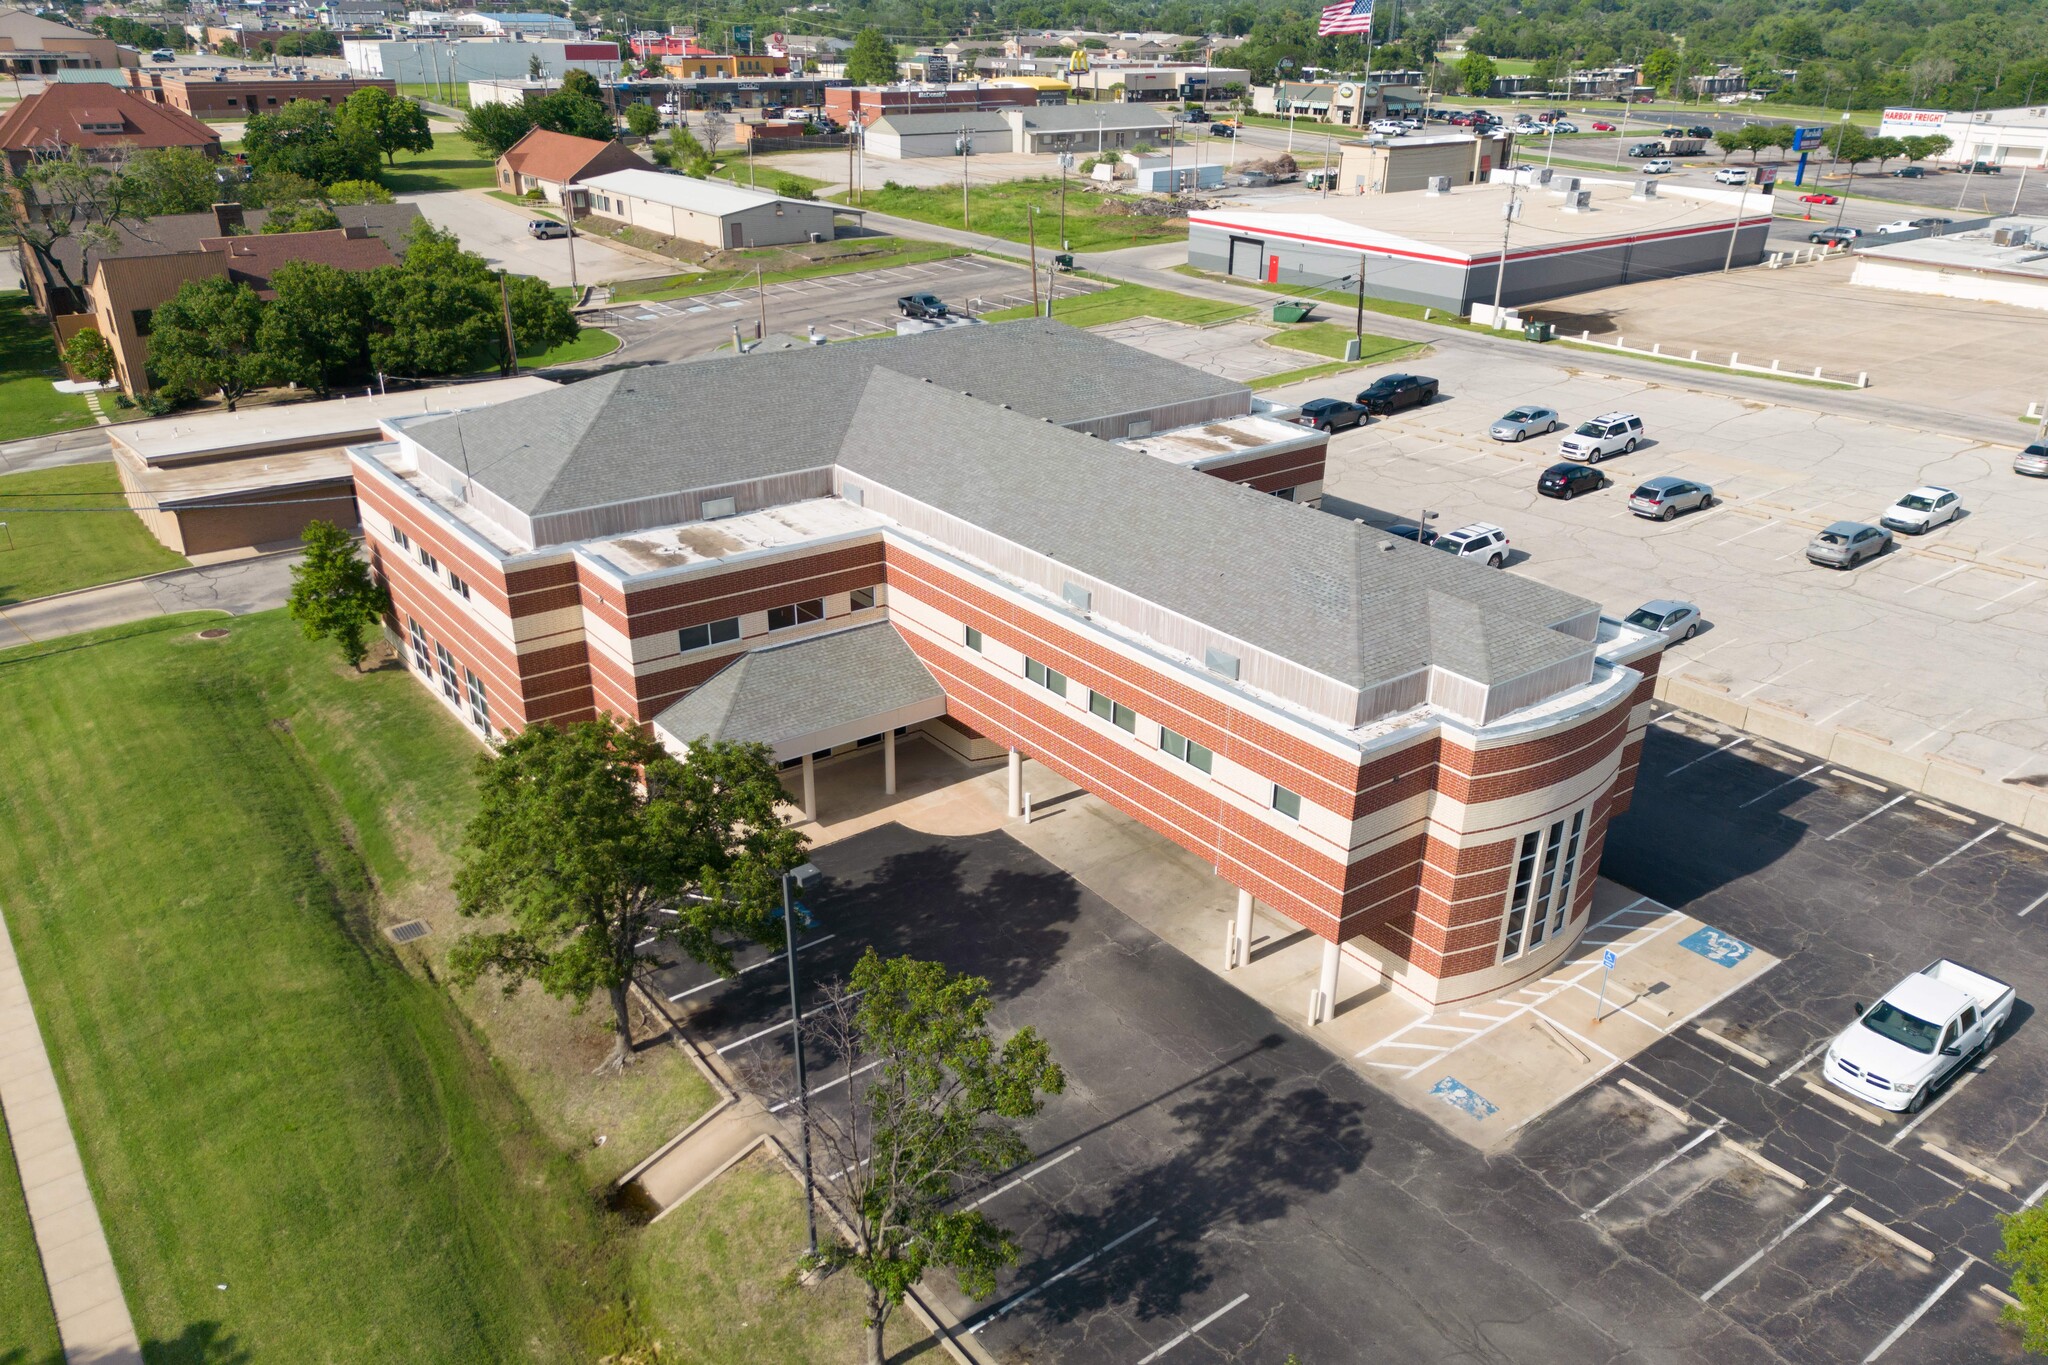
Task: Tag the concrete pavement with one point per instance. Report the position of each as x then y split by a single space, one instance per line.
497 231
82 446
236 588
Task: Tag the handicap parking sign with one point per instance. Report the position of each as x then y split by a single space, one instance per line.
1464 1097
1715 946
1608 959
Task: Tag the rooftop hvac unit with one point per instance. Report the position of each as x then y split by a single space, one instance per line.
1439 184
1565 184
1543 174
1646 189
2012 236
1579 201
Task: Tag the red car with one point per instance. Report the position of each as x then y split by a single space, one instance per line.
1603 127
1818 199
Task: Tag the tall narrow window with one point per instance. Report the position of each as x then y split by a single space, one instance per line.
479 704
1562 908
449 689
1540 898
428 562
421 659
399 537
461 587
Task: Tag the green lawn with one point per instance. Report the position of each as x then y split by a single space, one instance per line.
1000 210
715 1273
1122 302
849 256
455 164
767 177
1330 339
66 537
456 97
28 362
194 838
589 344
28 1327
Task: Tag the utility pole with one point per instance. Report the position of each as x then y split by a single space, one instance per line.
761 296
1500 268
569 204
1971 149
1359 325
505 306
1031 232
1736 230
964 145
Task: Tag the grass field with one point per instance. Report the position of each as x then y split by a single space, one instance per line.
1121 302
849 256
28 362
454 164
702 1272
262 1092
1001 210
456 97
589 344
28 1327
1329 339
58 547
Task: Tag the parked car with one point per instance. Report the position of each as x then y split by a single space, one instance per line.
1387 127
1198 116
1818 198
1331 414
1659 167
1699 130
1923 509
1222 130
2032 461
1600 127
1519 424
1392 392
1986 168
1481 540
1564 125
1679 619
1919 1033
1421 535
928 306
1567 481
1665 497
546 229
1834 236
1642 149
1611 433
1845 544
163 54
1910 173
1673 132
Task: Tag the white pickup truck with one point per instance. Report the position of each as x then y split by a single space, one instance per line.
1923 1031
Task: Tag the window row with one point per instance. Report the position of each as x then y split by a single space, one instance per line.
1540 897
456 583
727 629
437 664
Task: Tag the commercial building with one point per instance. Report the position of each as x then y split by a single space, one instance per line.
219 91
1443 250
31 45
2002 137
1137 84
552 162
516 25
104 123
723 217
706 66
1347 103
211 485
2005 262
1042 130
946 536
1410 163
863 104
451 63
725 94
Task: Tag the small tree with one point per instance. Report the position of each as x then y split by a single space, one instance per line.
88 356
642 120
2025 1253
577 81
205 339
358 192
872 58
534 67
938 1115
584 837
495 127
574 114
1476 70
162 180
334 596
394 123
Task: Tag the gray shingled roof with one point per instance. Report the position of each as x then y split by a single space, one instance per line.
668 428
784 692
1082 118
912 125
1306 586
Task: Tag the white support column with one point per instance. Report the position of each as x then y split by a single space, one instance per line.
1322 1002
1239 950
888 762
1016 806
810 789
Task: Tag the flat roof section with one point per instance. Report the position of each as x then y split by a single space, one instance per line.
1464 226
1194 446
1979 250
699 542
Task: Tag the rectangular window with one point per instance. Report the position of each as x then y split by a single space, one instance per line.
428 562
974 639
782 618
1115 712
400 538
1286 802
447 662
1540 897
710 633
1562 909
862 598
421 659
1185 749
455 582
140 319
1051 680
479 704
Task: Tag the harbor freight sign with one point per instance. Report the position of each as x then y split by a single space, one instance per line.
1911 122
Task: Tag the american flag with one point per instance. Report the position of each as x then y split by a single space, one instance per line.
1353 16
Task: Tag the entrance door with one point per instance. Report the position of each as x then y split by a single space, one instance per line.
735 236
1248 258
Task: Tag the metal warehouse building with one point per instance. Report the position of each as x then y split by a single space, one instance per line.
705 211
1443 250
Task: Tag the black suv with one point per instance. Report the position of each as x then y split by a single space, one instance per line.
1569 480
1699 130
1392 392
1331 414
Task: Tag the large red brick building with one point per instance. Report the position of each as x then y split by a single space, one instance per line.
1024 538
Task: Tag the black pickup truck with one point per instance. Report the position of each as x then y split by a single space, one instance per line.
928 306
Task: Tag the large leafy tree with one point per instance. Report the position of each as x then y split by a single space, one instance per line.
495 127
938 1116
394 123
307 138
59 198
540 319
1476 70
642 120
872 58
437 308
595 847
574 114
205 339
161 180
316 328
577 81
334 596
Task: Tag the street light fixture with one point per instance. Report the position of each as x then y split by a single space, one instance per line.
804 875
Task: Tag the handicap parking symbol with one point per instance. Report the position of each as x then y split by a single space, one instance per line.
1715 946
1463 1097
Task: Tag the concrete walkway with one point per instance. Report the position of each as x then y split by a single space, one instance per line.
85 1291
236 588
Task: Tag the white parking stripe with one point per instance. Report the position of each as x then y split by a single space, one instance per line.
1917 1313
776 1027
1036 1290
1704 757
726 980
1936 579
1788 1072
1192 1330
1954 852
1696 1141
1853 823
1732 1276
2002 596
1022 1178
1782 785
832 1084
2043 900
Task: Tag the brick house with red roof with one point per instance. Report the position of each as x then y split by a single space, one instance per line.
105 122
550 162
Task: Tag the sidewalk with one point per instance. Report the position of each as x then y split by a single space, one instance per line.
85 1291
236 588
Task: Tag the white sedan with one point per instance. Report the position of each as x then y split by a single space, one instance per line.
1923 509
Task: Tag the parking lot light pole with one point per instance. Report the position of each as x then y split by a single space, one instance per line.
804 875
1740 199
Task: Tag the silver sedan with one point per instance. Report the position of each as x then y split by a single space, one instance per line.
1522 423
1674 620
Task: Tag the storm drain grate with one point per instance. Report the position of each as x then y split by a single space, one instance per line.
408 931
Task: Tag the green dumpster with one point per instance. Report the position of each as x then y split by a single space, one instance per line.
1536 331
1064 261
1292 311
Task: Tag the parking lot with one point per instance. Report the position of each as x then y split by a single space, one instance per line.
1967 603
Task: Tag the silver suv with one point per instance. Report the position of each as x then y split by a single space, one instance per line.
1665 497
1481 540
1611 433
1846 544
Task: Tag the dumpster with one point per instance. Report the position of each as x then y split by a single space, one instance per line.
1064 261
1292 311
1537 331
